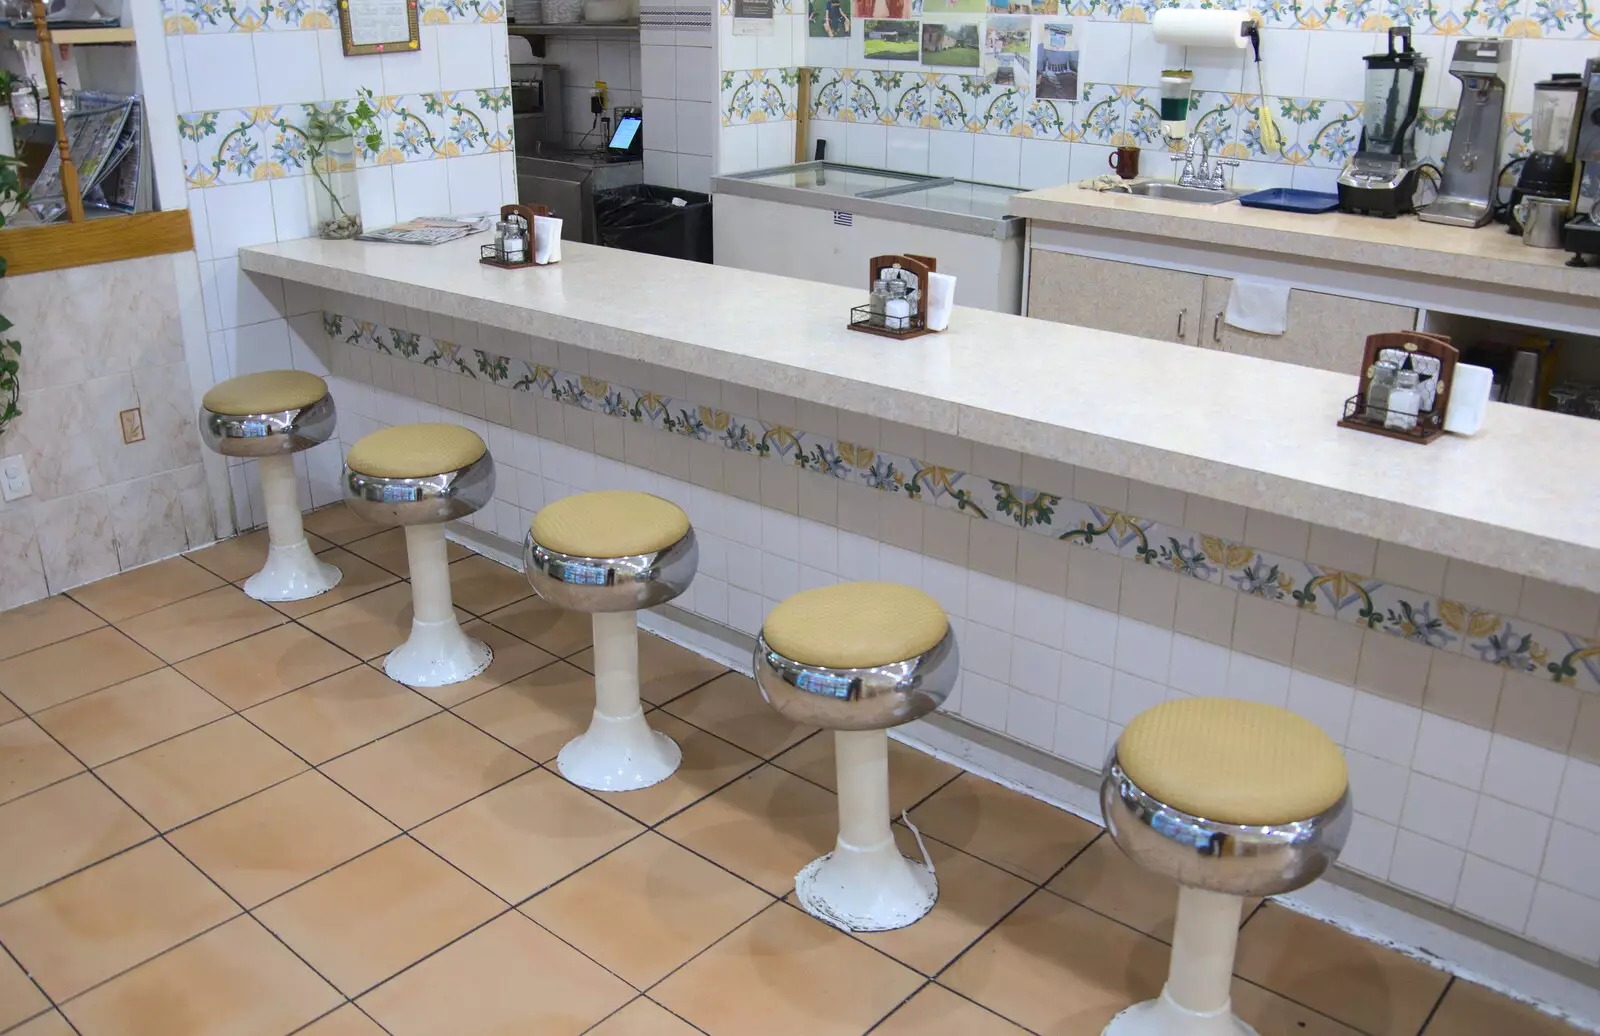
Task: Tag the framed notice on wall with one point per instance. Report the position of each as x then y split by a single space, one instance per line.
378 26
752 17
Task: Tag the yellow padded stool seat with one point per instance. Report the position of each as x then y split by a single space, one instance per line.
610 523
1233 761
270 392
415 451
855 625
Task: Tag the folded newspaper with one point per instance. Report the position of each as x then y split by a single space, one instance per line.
429 230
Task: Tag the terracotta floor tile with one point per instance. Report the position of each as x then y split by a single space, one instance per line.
1054 967
708 763
425 769
62 828
786 973
200 623
513 657
935 1011
19 997
128 716
527 834
346 1021
51 1024
71 668
364 921
645 909
388 550
665 669
242 556
344 711
31 759
359 576
559 632
536 714
145 589
1369 987
1023 835
1472 1010
281 837
252 670
90 926
8 711
973 895
764 827
233 979
177 780
644 1017
510 976
372 625
732 708
1272 1015
482 585
338 524
43 622
913 775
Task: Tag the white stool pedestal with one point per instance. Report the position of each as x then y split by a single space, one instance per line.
865 885
437 652
1196 1000
619 751
292 571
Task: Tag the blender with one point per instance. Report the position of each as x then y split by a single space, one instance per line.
1382 179
1470 180
1547 171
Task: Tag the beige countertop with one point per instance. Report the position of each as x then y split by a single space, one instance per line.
1523 495
1485 255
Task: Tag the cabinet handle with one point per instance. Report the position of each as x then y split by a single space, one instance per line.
1216 329
1181 314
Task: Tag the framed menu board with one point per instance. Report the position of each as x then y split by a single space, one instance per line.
378 26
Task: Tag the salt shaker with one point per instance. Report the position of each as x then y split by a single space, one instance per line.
1404 399
898 307
515 242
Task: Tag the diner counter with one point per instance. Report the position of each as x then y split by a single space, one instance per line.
1520 496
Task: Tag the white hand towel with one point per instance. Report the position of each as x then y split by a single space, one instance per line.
1258 306
546 240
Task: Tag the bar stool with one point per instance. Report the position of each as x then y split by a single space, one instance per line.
420 476
858 658
269 417
1229 799
610 553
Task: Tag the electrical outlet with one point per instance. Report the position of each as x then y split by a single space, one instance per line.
14 479
132 426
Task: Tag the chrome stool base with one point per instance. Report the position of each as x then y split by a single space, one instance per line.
619 751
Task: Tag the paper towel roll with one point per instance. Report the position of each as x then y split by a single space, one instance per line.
941 299
1468 399
1195 28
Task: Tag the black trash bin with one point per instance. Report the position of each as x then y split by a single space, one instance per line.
642 218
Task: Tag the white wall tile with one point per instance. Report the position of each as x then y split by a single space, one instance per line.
1425 866
1439 809
987 651
375 189
866 143
1039 616
1044 163
288 67
1090 160
239 215
222 71
983 700
1566 921
1091 632
1383 728
907 149
413 71
1338 73
696 127
897 565
1497 894
774 143
1105 48
1256 679
466 58
1322 701
1452 751
947 584
661 167
1579 801
258 347
1369 847
696 74
991 600
1509 835
1131 695
1085 685
421 189
1031 719
1377 786
1198 667
1572 859
291 207
474 183
1080 737
343 77
1524 774
1035 668
1143 650
950 154
242 298
658 67
694 172
996 159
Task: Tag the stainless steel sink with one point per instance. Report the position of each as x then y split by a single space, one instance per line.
1178 192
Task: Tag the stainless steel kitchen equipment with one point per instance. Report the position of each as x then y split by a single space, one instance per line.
1541 220
1582 234
1382 179
1468 184
1547 169
825 220
566 182
536 119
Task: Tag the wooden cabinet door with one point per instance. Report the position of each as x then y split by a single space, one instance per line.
1325 331
1112 296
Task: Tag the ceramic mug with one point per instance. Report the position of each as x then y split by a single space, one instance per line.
1541 220
1125 160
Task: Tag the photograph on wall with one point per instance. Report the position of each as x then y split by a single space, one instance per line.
1006 39
1056 64
896 40
828 19
1049 7
883 8
1009 7
940 8
952 44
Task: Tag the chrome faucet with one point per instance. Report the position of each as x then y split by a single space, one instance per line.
1208 174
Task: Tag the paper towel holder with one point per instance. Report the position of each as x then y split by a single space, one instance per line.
1433 357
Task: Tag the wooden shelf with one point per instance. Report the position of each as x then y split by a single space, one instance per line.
114 35
58 246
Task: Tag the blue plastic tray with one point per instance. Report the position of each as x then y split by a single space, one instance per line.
1287 199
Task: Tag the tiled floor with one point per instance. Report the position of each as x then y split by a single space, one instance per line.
220 817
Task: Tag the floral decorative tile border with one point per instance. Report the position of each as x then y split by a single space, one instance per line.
758 95
264 143
1450 626
190 17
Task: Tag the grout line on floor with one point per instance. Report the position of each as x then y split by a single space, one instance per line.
926 981
1436 1005
175 600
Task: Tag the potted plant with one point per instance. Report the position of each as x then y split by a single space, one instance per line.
331 137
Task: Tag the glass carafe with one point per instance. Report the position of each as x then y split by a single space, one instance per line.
1555 106
1393 97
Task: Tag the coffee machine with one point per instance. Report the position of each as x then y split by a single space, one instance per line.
1382 179
1469 182
1547 169
1581 236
